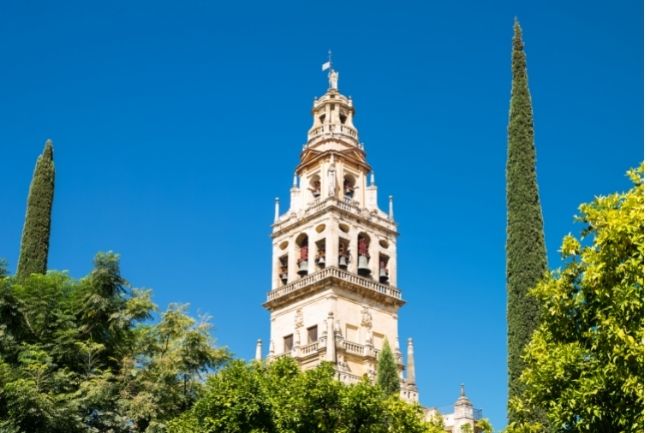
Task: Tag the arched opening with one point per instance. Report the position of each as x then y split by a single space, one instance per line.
314 186
283 268
344 253
302 245
348 186
363 254
383 269
320 253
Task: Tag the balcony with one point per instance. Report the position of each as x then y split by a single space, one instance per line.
330 274
332 129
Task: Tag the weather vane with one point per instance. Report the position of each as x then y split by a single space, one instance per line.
333 75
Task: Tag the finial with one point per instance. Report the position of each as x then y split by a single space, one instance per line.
258 350
372 178
277 209
410 363
390 206
295 180
462 390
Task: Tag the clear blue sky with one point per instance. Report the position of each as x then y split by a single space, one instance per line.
175 124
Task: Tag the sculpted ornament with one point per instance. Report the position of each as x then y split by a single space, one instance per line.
331 179
366 318
299 319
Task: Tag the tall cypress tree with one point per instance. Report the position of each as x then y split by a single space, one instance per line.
35 242
526 260
387 376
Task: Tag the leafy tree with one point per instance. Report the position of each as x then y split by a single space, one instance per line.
278 397
35 242
387 376
526 260
77 356
584 364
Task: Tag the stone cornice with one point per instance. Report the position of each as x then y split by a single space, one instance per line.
289 221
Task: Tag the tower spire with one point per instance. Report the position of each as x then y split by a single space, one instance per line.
410 373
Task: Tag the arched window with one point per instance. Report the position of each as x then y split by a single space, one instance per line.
314 185
302 245
363 254
349 186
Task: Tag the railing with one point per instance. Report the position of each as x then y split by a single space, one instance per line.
334 129
310 348
337 273
346 377
353 347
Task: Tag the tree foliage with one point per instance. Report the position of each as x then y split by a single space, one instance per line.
526 260
78 356
278 397
584 364
35 242
387 375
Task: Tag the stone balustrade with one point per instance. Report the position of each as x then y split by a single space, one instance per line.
309 348
332 129
341 274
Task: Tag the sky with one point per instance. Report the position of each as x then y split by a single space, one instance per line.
176 124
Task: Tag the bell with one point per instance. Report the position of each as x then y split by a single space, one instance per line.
343 261
284 277
321 261
383 276
364 268
303 268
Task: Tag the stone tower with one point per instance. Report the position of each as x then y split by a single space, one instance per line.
334 294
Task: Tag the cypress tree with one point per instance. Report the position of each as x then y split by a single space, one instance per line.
387 376
36 231
526 260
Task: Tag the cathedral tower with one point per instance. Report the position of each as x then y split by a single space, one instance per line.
334 294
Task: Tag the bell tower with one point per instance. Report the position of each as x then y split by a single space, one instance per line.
334 294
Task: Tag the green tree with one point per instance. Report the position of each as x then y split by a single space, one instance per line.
278 397
35 241
387 376
526 260
584 364
78 355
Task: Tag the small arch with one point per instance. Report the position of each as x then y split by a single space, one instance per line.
383 243
283 268
283 245
363 254
302 245
344 253
349 183
344 228
314 185
383 268
320 228
320 253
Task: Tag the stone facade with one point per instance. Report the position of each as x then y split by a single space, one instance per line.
334 293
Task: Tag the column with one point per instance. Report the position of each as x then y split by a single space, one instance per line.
292 257
332 243
373 250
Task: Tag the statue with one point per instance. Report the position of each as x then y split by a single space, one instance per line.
334 79
331 179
